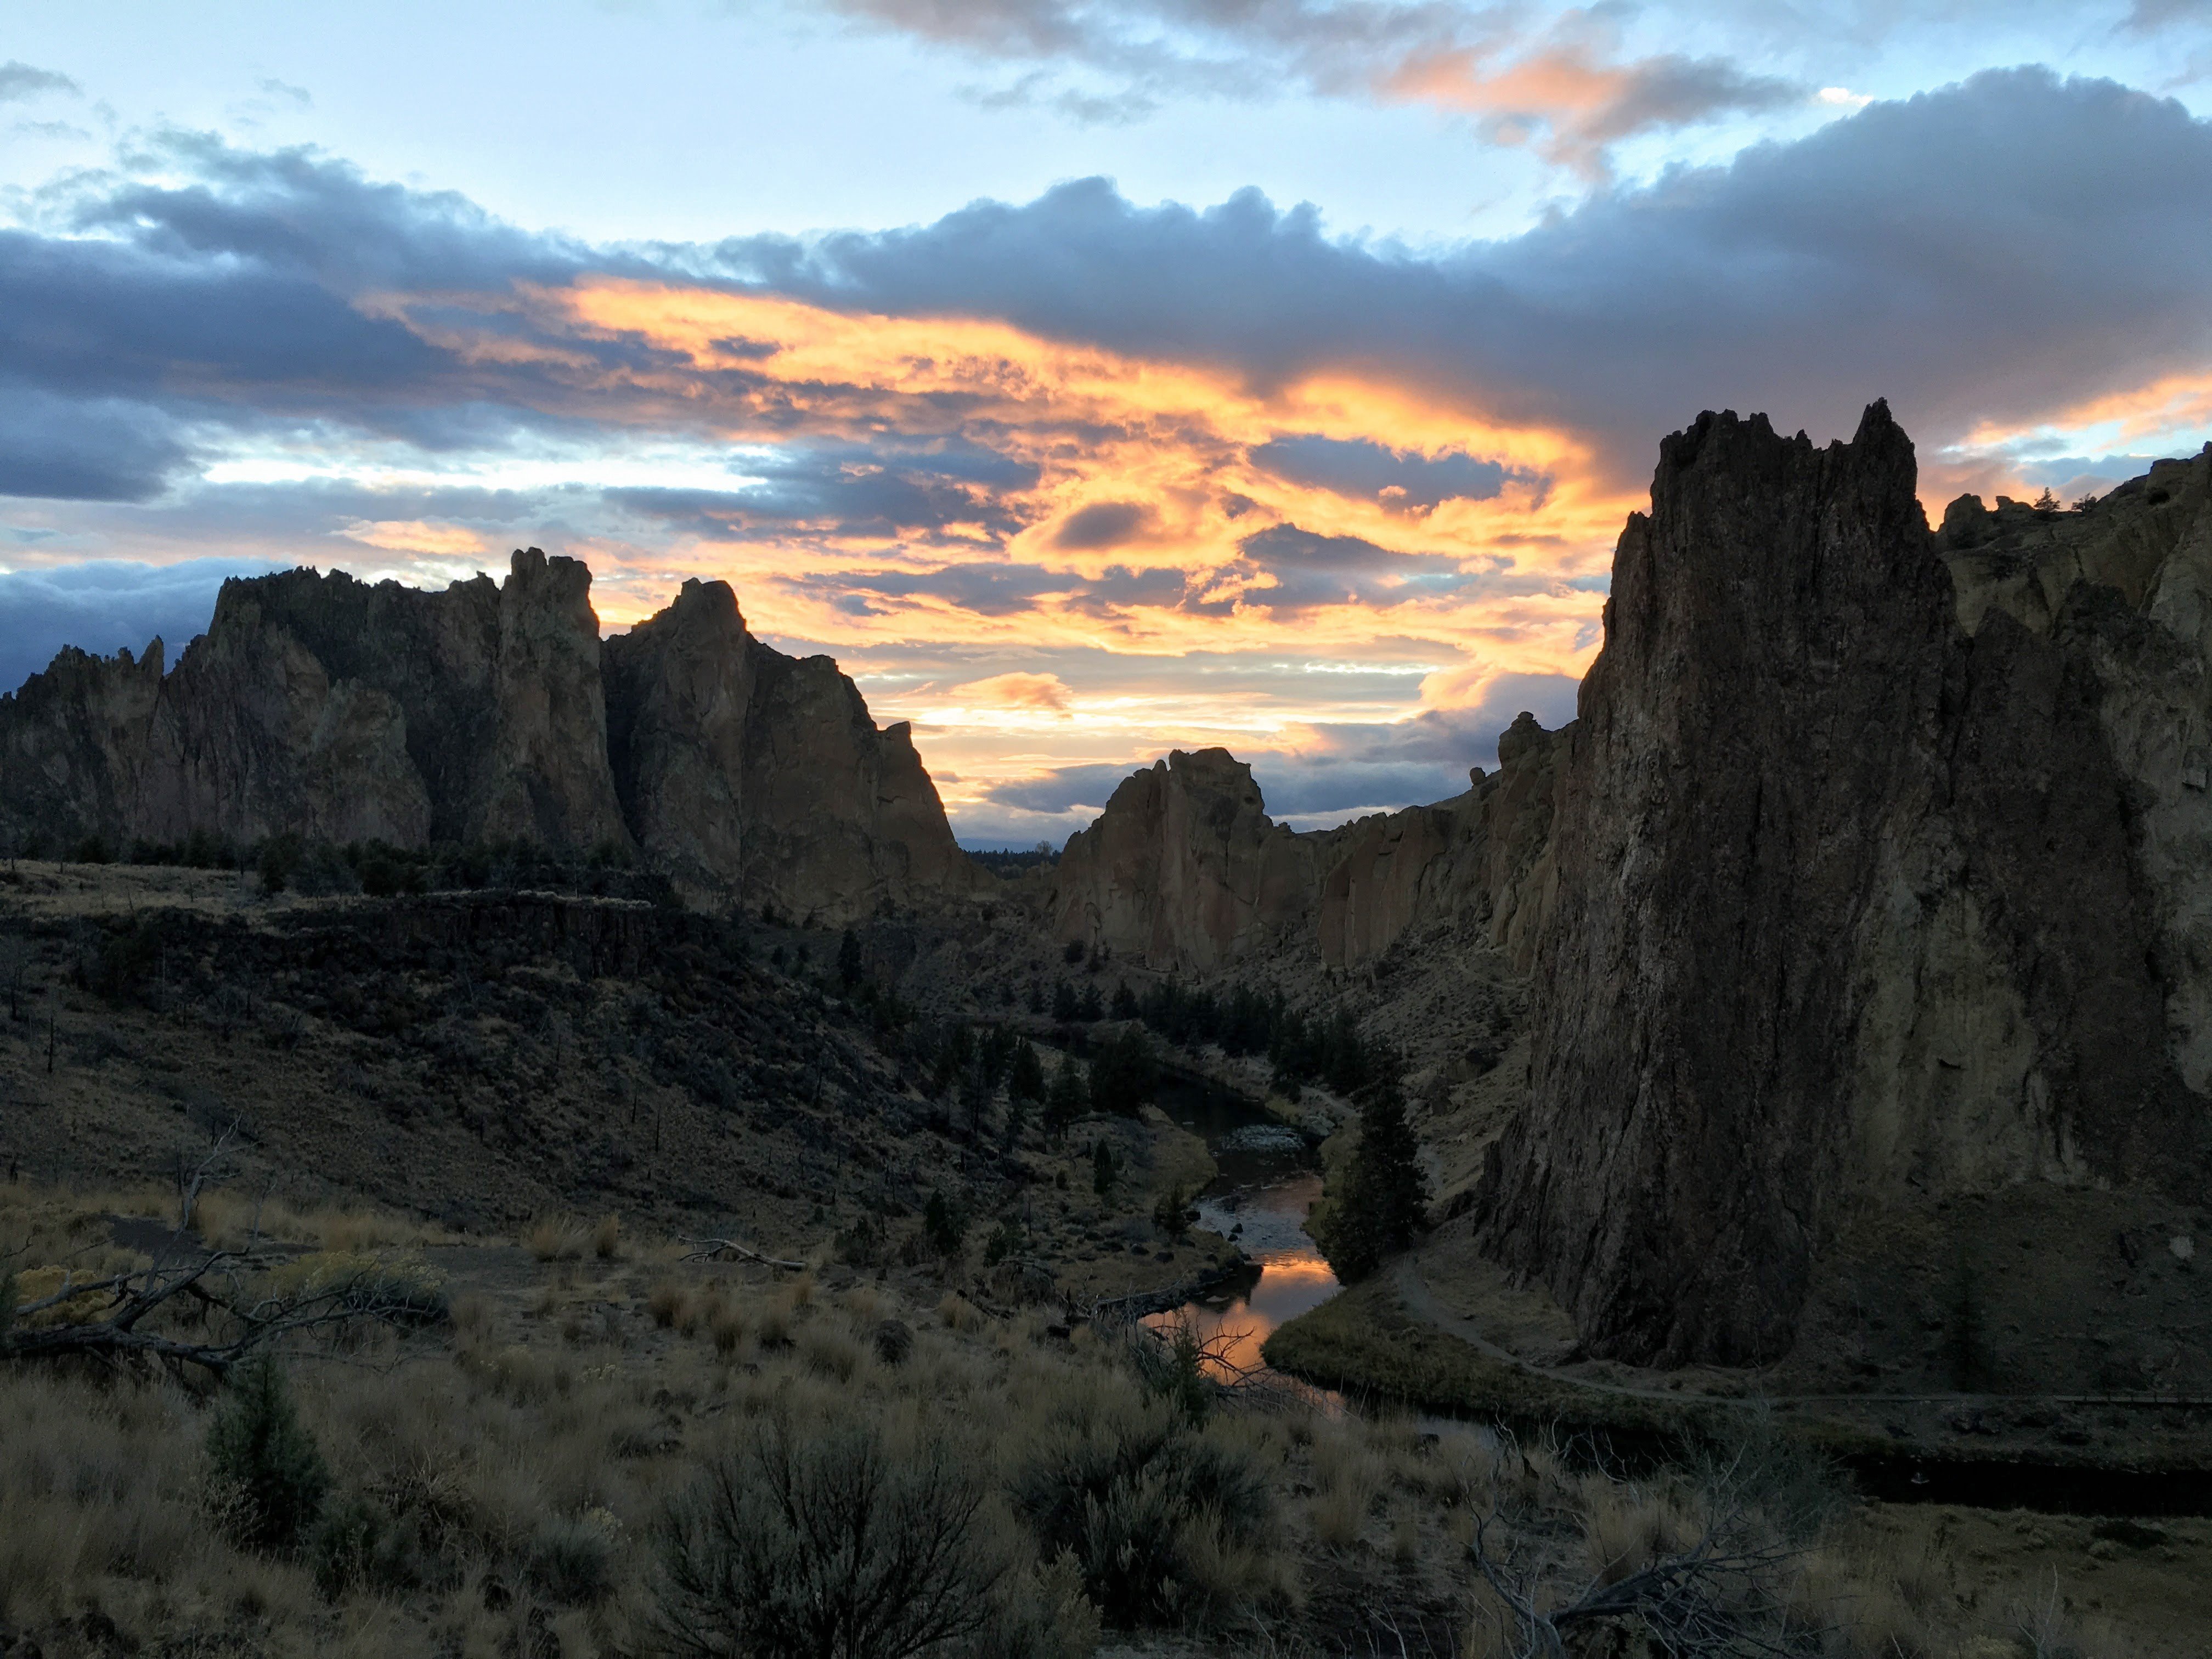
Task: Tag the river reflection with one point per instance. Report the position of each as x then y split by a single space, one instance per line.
1266 1184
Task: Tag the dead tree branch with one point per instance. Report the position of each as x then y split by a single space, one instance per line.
712 1249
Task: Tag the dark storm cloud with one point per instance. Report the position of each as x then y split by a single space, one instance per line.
1404 481
104 608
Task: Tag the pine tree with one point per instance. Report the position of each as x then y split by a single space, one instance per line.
1064 1007
849 969
1384 1197
1025 1075
1067 1099
1102 1169
261 1451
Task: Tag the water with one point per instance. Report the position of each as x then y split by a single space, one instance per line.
1269 1177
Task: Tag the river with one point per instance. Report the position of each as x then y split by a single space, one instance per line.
1269 1176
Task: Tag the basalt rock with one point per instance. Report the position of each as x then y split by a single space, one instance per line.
1184 871
338 710
1881 911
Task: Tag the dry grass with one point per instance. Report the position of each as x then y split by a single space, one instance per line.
493 1460
666 1301
607 1238
556 1239
956 1313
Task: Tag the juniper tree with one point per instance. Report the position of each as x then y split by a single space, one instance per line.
1383 1200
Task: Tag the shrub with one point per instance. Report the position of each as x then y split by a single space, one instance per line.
606 1237
809 1543
265 1462
1126 1486
1006 1239
666 1303
571 1557
355 1542
893 1340
946 1225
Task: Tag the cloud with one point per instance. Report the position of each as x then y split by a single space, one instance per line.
1105 524
97 449
1015 690
1076 424
2149 16
1561 88
20 82
1400 481
105 607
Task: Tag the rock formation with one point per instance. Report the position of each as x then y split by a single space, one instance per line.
1880 924
1184 871
336 710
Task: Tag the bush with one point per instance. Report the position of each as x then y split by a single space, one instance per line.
1138 1498
572 1559
355 1542
272 1477
804 1544
946 1225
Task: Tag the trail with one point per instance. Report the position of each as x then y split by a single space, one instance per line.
1417 1300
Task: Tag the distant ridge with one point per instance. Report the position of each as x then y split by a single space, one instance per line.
323 706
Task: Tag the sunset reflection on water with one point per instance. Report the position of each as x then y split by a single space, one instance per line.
1293 1278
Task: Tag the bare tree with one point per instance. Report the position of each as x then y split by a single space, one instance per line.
220 1292
1716 1600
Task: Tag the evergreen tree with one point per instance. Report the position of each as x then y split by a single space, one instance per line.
849 969
1064 1007
1093 1007
1384 1196
1067 1099
1102 1169
261 1451
1025 1075
1123 1073
945 1224
1125 1001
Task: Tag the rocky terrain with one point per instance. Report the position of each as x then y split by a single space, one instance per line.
323 708
1832 999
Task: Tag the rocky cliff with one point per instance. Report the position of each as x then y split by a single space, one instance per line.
1879 927
339 710
1184 871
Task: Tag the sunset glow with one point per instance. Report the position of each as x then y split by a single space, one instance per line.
1277 377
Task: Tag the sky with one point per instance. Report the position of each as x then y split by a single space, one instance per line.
1090 378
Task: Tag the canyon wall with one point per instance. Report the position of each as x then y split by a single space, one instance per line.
1184 870
1879 911
339 710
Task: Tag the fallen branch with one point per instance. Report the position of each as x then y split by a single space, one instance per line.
710 1250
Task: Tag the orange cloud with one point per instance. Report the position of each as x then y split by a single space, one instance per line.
1016 691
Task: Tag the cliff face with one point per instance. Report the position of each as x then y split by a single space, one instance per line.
338 710
1860 913
1184 869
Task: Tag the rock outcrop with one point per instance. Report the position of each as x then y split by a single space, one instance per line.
1880 920
1184 871
338 710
